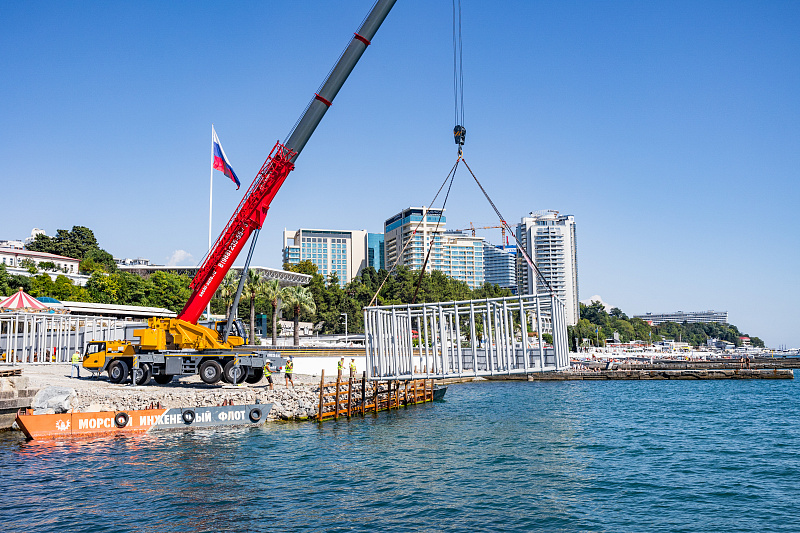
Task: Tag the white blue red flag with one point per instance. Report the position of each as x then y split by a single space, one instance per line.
221 162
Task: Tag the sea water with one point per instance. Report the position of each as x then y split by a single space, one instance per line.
493 456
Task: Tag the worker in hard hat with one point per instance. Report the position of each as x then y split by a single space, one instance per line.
287 372
352 367
340 366
268 375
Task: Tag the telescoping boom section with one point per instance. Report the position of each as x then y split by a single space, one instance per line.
252 210
472 338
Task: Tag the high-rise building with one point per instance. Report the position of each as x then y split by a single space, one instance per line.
549 239
376 256
408 236
333 252
499 265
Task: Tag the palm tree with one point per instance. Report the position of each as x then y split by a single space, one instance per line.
272 291
227 290
253 286
298 300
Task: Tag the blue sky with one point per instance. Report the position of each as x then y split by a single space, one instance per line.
671 130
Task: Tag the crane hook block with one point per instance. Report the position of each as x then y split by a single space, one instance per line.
460 133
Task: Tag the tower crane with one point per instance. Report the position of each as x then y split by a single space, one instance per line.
472 229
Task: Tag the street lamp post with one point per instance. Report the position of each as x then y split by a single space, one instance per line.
345 327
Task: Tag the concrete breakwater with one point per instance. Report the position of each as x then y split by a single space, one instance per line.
16 393
296 403
682 374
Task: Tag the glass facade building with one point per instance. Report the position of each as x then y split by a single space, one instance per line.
376 257
332 251
410 234
499 265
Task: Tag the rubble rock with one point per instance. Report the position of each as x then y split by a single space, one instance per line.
59 399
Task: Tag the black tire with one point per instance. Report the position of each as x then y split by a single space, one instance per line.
255 414
121 420
234 374
146 374
188 416
117 371
162 379
210 371
255 376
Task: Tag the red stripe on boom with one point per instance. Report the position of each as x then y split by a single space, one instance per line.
323 100
362 39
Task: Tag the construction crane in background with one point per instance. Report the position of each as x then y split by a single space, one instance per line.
472 229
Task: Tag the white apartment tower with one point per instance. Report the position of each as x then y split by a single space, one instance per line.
549 240
454 254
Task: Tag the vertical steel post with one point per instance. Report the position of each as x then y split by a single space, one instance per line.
473 345
458 341
539 333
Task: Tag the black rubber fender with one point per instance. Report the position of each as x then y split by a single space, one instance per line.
188 416
121 420
255 414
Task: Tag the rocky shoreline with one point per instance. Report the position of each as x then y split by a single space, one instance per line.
89 394
298 403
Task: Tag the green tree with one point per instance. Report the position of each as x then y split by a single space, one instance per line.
169 290
29 265
272 291
297 300
41 285
104 288
253 287
227 290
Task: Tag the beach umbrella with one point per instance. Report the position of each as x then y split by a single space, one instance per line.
21 300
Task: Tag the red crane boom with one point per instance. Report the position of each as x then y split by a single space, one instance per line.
252 210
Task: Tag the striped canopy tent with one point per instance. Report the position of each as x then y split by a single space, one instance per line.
21 300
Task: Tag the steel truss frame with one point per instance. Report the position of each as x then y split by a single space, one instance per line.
466 338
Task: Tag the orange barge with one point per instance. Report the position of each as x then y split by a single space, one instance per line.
54 426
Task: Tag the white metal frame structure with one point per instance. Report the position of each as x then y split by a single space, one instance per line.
53 338
469 338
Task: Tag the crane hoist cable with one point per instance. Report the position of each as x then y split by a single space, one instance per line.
434 233
449 177
516 238
459 131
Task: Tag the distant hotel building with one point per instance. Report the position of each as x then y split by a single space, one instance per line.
454 254
333 252
550 241
679 317
376 254
13 257
499 265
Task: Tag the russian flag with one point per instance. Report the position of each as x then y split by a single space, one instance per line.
221 162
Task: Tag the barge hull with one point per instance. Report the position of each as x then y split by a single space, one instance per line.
55 426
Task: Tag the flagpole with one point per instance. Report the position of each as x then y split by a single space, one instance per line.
210 204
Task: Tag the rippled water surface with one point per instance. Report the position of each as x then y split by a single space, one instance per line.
605 456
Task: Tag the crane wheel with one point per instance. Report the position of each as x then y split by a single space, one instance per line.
121 420
234 374
162 379
210 372
144 374
188 416
117 371
255 414
256 376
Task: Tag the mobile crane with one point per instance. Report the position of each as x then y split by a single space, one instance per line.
172 346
